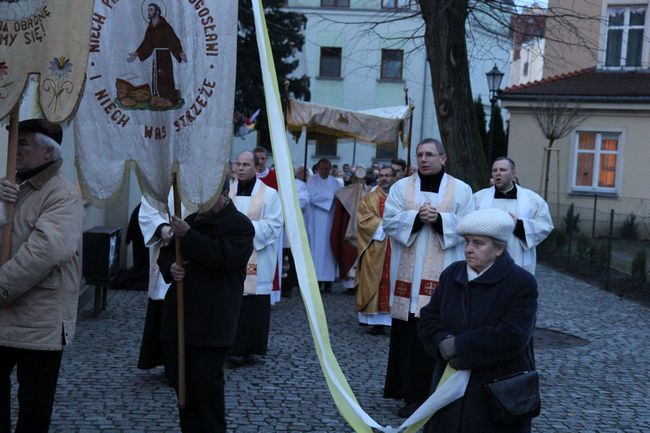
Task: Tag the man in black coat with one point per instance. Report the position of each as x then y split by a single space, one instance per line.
481 318
216 246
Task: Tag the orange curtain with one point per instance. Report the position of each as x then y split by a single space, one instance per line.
585 169
607 172
587 141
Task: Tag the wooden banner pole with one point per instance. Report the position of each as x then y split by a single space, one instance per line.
180 302
12 151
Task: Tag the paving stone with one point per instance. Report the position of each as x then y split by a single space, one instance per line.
595 382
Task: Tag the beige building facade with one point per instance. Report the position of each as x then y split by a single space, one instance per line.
602 164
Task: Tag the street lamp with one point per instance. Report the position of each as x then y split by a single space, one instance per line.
494 77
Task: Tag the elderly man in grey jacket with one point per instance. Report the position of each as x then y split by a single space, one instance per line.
39 284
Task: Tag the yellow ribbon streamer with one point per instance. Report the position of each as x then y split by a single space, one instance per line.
346 402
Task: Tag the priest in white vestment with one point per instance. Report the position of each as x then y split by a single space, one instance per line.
528 210
420 217
154 224
322 188
262 205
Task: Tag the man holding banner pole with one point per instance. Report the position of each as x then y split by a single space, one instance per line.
39 283
216 246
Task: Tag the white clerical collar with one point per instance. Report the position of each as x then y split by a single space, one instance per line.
472 274
262 174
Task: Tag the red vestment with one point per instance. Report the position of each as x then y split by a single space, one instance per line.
345 253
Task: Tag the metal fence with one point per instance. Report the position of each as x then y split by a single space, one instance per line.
605 247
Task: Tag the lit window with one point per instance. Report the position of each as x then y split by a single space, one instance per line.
596 161
335 3
391 64
625 26
395 4
330 62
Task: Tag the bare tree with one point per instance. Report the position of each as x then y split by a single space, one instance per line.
446 47
447 26
556 117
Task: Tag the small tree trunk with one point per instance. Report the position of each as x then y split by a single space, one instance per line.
547 168
448 61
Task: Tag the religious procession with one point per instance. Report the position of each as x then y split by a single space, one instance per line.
259 216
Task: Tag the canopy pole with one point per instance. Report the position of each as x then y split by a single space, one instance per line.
12 151
410 135
180 301
410 104
304 172
354 151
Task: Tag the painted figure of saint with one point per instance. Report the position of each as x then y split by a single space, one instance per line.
161 41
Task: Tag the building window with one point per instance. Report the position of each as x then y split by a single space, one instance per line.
391 64
335 3
326 145
596 161
625 26
395 4
330 62
386 152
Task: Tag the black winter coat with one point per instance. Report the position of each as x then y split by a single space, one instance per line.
217 248
492 319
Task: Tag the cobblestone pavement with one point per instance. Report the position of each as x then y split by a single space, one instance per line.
594 369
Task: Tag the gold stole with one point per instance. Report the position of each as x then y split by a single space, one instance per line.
433 259
254 213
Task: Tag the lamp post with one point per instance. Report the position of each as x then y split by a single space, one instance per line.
494 77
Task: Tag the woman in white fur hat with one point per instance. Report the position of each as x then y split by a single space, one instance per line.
481 318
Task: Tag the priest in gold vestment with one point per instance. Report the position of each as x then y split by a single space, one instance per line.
373 276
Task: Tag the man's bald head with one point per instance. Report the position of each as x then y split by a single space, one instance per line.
245 165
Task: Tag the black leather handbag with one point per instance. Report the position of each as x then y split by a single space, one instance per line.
515 398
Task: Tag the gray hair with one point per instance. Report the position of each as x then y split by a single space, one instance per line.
44 142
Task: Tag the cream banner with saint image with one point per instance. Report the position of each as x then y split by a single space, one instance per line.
160 93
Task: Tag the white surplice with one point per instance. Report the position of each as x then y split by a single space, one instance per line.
267 233
398 224
150 219
303 201
319 228
532 210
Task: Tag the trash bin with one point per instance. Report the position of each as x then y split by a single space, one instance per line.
101 261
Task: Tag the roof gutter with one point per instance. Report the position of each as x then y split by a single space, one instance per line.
577 98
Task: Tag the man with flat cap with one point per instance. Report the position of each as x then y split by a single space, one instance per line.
39 283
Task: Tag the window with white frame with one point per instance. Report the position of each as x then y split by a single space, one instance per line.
395 4
326 145
335 3
625 28
596 161
330 62
392 63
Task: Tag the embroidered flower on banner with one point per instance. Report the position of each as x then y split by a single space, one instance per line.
4 87
4 70
60 67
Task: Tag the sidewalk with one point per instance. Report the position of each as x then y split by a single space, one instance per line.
594 371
